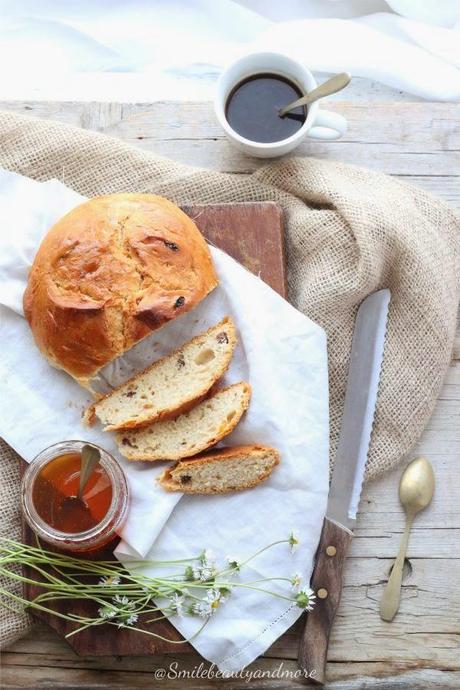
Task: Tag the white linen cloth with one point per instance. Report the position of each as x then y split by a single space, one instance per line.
175 49
283 356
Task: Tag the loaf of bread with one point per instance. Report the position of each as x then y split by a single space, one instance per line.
190 433
221 471
170 385
110 272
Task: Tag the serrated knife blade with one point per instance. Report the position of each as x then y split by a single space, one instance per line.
359 408
347 479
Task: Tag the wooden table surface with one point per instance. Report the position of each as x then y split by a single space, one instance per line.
418 142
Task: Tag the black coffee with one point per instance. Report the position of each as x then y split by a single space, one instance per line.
253 105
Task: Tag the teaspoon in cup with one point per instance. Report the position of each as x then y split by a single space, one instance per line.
332 85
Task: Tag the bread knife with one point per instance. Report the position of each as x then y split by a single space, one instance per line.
347 479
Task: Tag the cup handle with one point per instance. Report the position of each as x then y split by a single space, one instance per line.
328 126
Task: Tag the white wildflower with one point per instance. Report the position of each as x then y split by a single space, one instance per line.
210 603
132 619
107 613
124 602
203 608
196 572
177 604
296 580
207 574
215 597
293 541
111 580
206 568
305 599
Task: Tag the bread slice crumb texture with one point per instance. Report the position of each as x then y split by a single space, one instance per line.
190 433
221 471
170 385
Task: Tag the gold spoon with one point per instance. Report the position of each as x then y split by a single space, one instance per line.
90 458
332 85
75 505
416 490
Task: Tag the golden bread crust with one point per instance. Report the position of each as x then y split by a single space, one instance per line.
167 481
110 272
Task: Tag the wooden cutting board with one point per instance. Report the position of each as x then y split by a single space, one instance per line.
253 234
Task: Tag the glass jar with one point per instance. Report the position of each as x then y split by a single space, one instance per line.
109 523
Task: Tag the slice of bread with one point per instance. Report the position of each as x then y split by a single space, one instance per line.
171 385
221 471
190 433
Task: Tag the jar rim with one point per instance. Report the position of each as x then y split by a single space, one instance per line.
114 515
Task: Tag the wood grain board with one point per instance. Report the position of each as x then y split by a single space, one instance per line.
253 234
417 142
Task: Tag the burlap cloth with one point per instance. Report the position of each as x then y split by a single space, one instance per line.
348 232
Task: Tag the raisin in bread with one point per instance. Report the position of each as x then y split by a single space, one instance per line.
190 433
221 471
170 385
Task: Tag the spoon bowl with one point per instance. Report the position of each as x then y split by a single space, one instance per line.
416 487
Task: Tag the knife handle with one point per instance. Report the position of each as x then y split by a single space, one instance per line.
327 585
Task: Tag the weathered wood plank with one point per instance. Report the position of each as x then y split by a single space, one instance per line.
58 667
445 186
417 141
420 127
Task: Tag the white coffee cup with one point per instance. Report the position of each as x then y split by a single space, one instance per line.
320 124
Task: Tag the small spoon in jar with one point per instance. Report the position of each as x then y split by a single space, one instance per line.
73 506
416 490
90 459
332 85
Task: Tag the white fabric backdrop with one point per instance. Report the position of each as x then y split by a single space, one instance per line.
176 48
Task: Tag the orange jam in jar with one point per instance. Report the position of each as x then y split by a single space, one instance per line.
52 509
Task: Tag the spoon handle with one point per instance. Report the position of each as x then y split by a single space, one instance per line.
389 603
90 458
332 85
